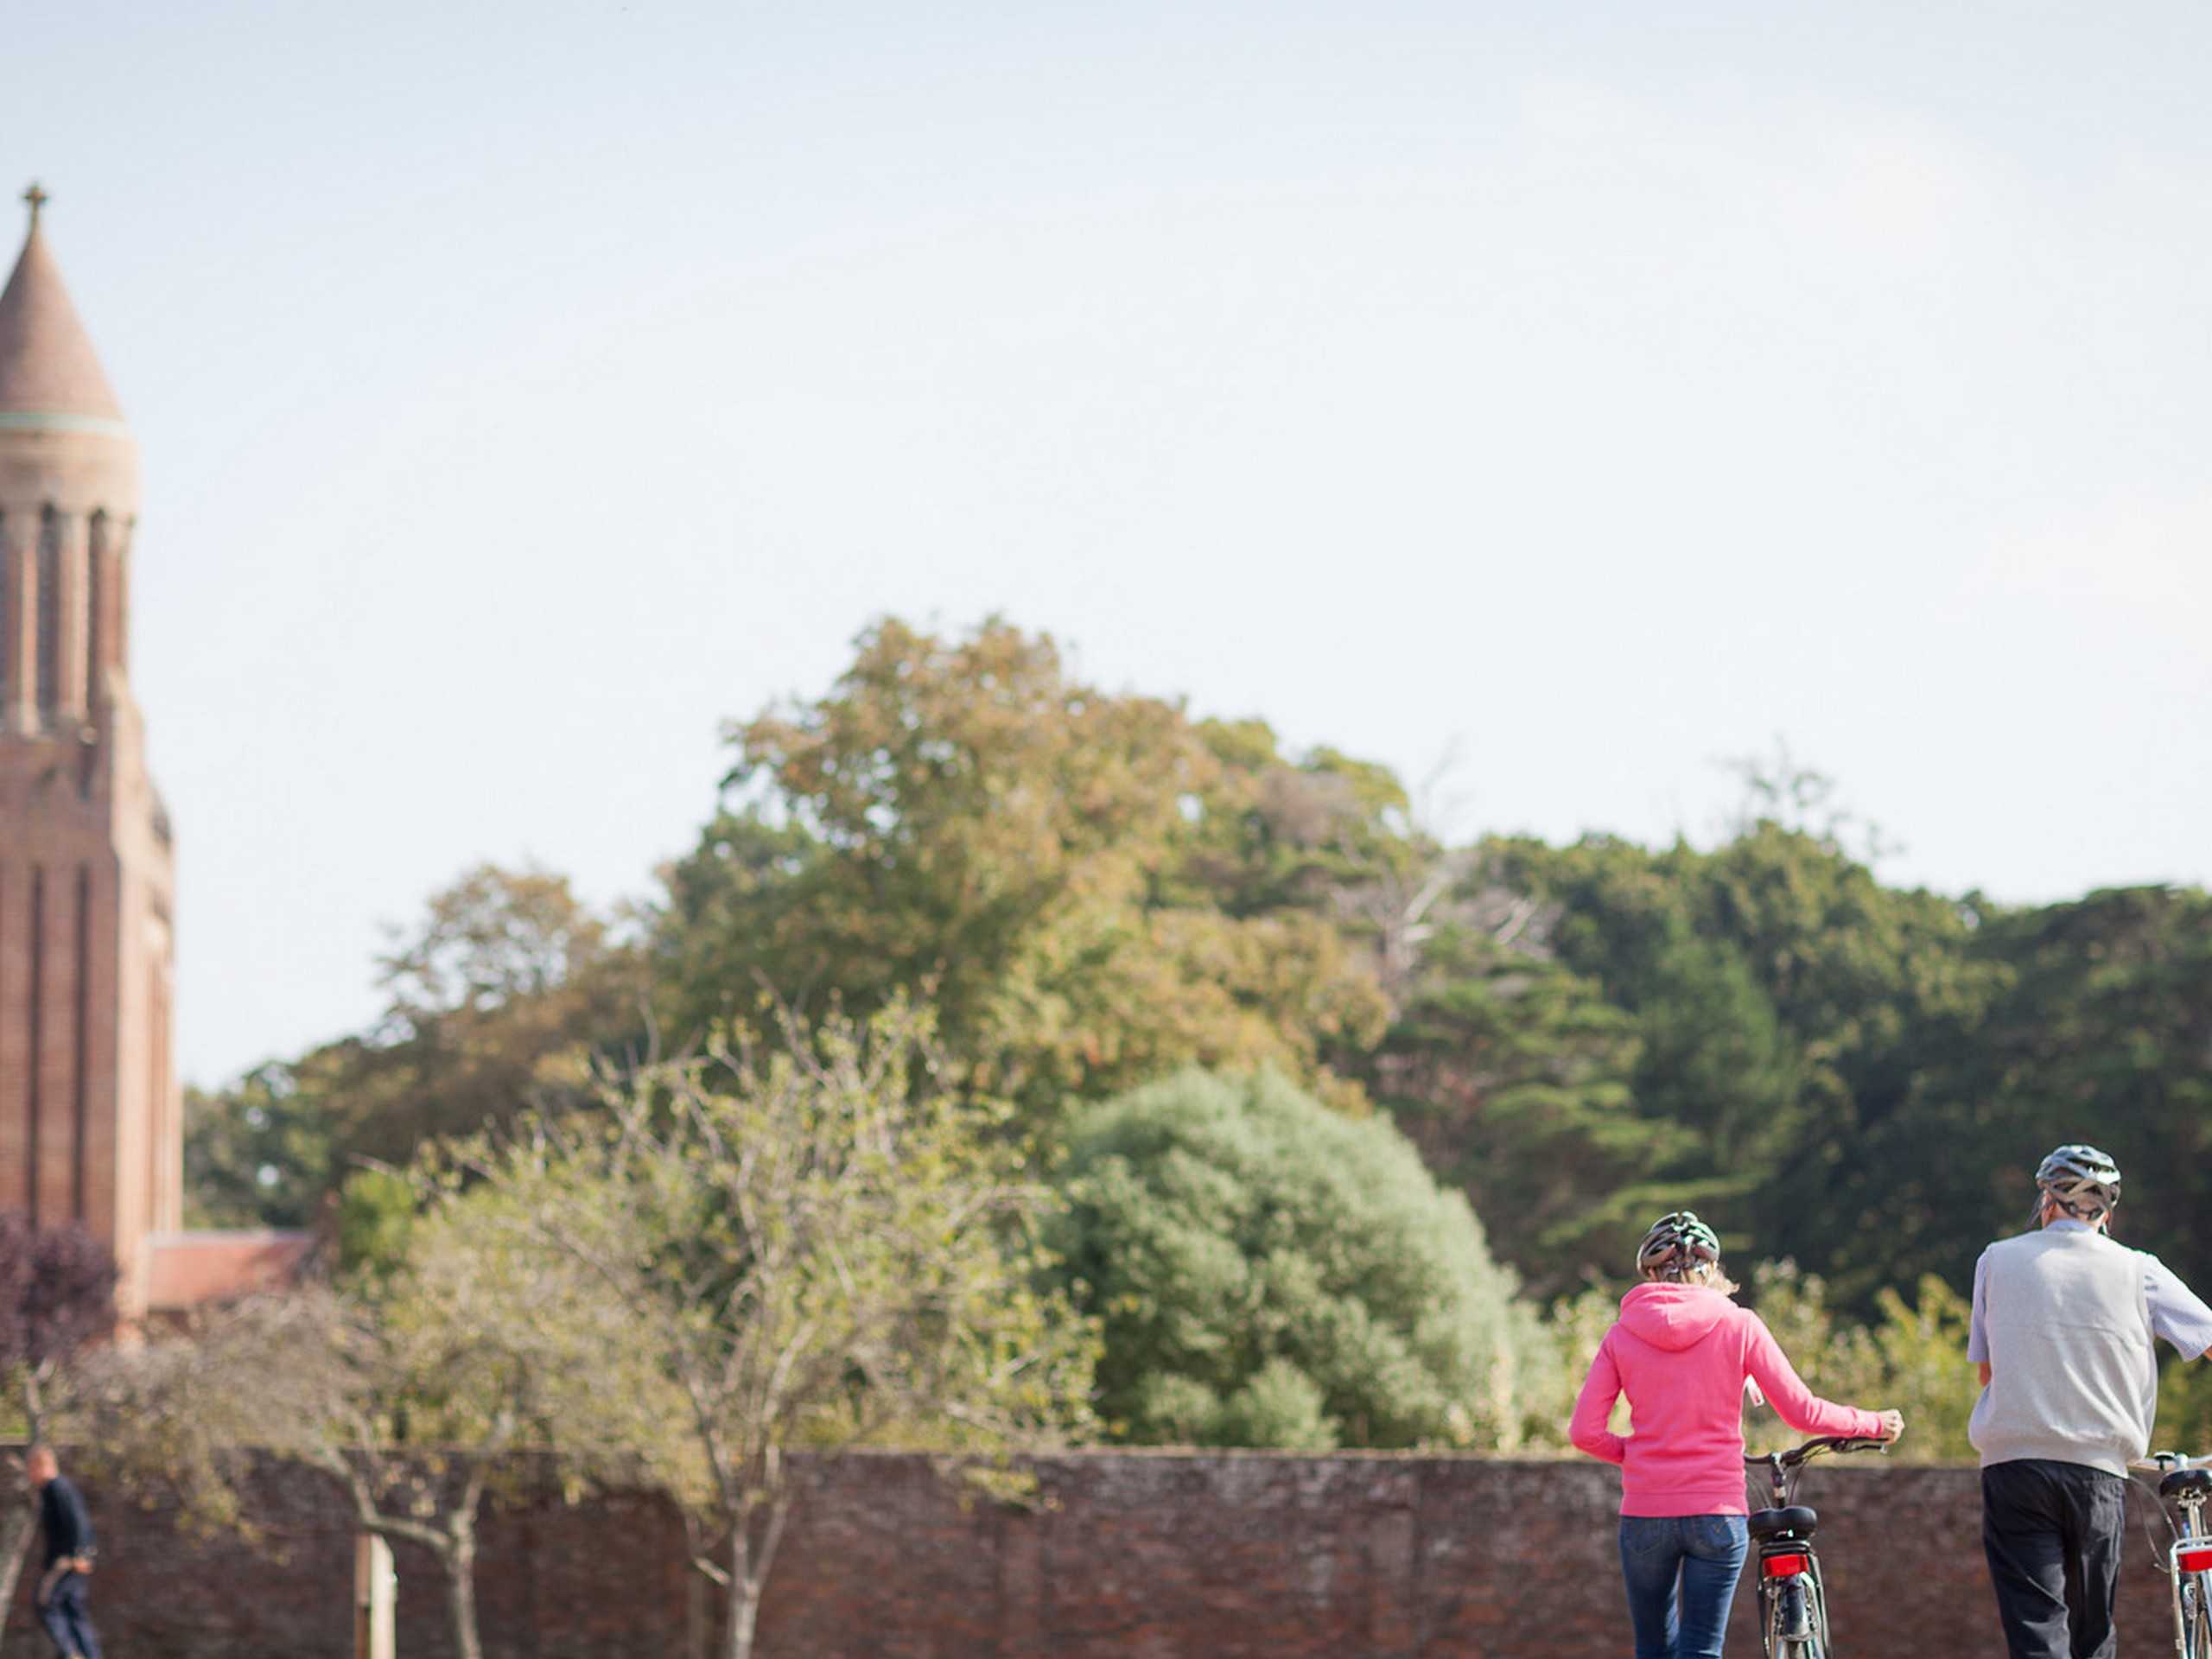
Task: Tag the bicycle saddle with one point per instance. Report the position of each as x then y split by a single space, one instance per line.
1795 1522
2186 1480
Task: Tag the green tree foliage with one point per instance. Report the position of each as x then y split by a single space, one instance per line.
1091 889
2103 1033
1515 1077
1912 1357
735 1258
408 1387
1097 891
2090 1021
498 999
810 1248
1269 1272
477 1342
2184 1408
1789 1009
261 1152
1553 1356
1870 985
183 1413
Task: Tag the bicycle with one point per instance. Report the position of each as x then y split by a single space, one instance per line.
2188 1481
1793 1605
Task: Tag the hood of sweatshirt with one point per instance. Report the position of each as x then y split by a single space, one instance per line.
1675 1317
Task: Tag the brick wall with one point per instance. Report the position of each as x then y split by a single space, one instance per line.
1139 1555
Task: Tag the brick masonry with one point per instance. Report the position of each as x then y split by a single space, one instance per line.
1131 1556
91 1118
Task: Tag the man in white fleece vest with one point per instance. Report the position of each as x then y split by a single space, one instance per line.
2063 1323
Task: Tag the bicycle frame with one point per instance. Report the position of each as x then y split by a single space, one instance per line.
2188 1481
1793 1600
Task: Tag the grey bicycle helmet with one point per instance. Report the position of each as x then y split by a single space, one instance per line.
2084 1181
1676 1242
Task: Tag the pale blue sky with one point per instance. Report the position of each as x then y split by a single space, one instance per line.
1603 389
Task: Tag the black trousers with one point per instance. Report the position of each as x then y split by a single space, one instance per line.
2052 1532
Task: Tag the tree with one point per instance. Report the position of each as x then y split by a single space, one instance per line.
1870 986
1515 1077
498 997
1713 1075
1269 1272
1914 1358
480 1344
1791 1012
2090 1019
2184 1405
2104 1033
265 1150
815 1247
411 1389
494 939
185 1411
1091 889
57 1300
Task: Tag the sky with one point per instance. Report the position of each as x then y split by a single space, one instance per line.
1553 402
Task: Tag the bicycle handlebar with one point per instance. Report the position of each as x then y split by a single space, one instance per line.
1813 1448
2159 1463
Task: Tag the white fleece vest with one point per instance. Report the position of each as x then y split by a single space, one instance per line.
2072 1375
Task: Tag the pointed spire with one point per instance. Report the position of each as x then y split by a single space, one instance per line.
49 372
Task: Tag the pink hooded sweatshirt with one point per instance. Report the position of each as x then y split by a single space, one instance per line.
1680 1354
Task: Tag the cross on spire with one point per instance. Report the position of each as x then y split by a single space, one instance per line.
38 199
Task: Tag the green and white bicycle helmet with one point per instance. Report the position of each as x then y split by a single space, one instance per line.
2084 1181
1676 1242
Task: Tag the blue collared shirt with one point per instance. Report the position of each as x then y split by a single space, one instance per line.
2177 1313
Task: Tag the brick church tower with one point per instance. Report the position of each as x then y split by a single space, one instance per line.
90 1114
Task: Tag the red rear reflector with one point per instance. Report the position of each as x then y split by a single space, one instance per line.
2196 1560
1781 1566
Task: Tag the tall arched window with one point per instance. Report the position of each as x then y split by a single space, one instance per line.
118 535
47 661
96 618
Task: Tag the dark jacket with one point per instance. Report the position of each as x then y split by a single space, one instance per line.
68 1527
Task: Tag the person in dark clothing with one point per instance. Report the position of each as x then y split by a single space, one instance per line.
69 1550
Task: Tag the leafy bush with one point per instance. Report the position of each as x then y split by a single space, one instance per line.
1269 1273
1552 1354
2185 1406
1914 1359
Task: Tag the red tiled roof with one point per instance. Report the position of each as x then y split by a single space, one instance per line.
185 1269
47 363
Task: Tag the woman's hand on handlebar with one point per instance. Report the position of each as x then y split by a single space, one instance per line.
1892 1425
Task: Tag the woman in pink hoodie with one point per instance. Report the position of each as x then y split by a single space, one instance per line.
1681 1352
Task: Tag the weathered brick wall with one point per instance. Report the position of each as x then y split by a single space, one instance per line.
1140 1555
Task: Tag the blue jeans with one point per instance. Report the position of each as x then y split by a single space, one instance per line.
63 1615
1681 1572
